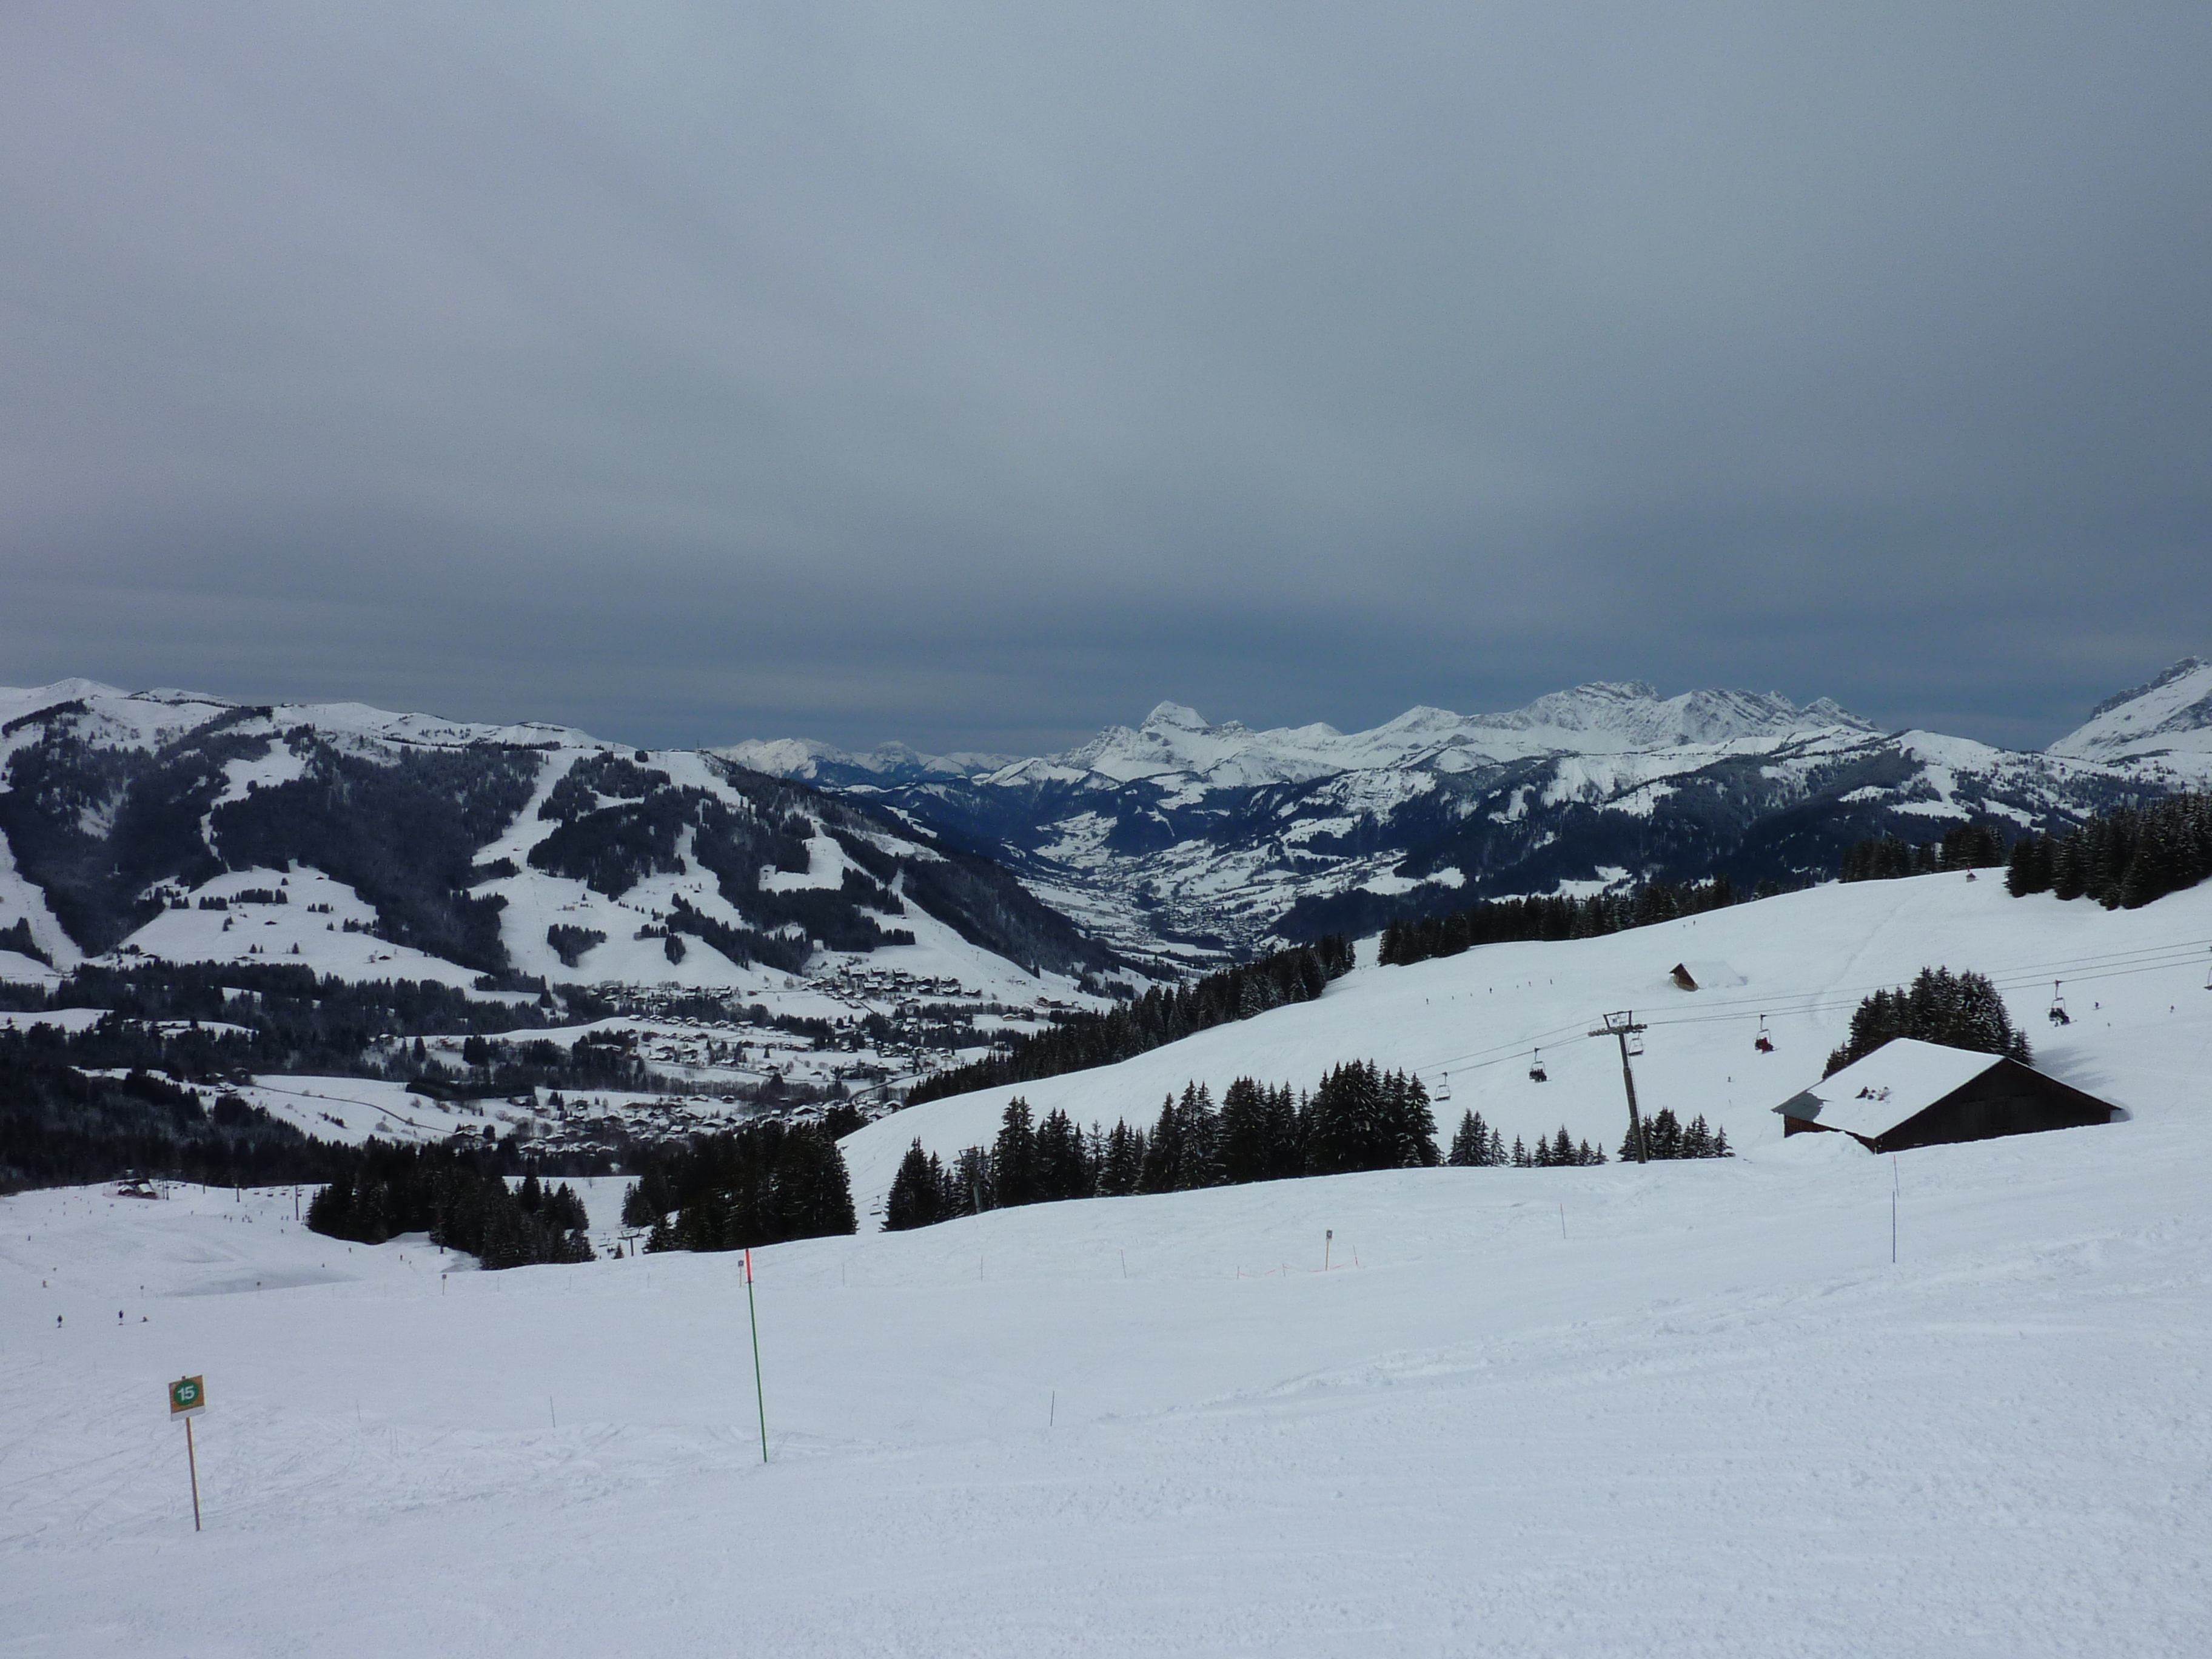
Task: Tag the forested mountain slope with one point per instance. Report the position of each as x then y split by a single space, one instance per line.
390 846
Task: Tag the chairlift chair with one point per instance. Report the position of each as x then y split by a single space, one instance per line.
2058 1016
1763 1042
1443 1090
1536 1073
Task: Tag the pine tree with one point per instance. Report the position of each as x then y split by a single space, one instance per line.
2027 869
917 1195
1243 1133
809 1194
1063 1169
1201 1165
1123 1167
1014 1157
1959 1011
1409 1126
1163 1152
1286 1153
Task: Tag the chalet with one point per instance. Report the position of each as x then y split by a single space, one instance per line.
1909 1093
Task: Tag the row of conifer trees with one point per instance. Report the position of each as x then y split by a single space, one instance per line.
2123 859
1961 1010
1476 1145
1081 1041
1360 1117
763 1184
1971 846
1492 922
455 1197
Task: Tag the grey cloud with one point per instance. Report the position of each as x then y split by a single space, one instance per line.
977 375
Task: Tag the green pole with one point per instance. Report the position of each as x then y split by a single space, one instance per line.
753 1314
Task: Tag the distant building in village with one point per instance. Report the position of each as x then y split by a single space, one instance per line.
1908 1093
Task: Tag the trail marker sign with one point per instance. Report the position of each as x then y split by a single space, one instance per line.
187 1397
187 1400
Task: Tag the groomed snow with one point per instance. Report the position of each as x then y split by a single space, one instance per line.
1677 1409
1713 1418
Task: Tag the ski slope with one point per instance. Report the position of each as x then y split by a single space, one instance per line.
1678 1409
1473 1023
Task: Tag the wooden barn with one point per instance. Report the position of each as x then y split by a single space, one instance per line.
1908 1093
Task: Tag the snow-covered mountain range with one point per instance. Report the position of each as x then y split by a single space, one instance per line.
2170 719
1195 838
381 846
135 822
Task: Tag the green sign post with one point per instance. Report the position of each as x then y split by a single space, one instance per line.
187 1400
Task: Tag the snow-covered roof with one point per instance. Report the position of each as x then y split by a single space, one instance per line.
1901 1080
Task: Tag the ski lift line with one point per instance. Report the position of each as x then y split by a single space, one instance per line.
2105 958
2016 979
1849 998
1500 1053
1808 1003
2010 978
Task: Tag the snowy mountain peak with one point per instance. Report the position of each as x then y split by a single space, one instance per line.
1633 711
813 761
1174 717
1179 748
2172 715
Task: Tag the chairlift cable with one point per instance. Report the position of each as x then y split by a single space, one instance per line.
1836 999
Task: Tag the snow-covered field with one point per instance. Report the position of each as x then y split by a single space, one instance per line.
2134 982
1679 1409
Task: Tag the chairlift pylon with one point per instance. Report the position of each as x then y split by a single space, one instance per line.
2058 1016
1763 1042
1536 1073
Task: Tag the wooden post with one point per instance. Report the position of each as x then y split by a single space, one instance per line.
187 1400
192 1463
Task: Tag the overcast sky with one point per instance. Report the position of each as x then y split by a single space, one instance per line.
979 375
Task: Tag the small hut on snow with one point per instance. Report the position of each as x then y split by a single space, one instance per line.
1909 1093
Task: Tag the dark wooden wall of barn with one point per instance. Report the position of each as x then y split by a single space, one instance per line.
2008 1099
